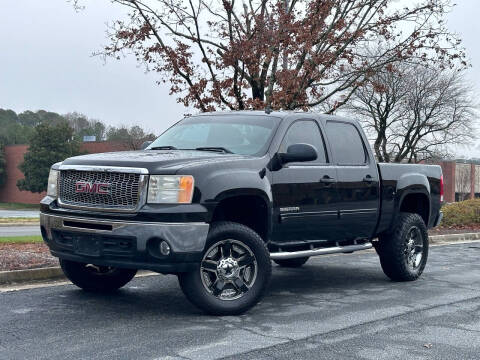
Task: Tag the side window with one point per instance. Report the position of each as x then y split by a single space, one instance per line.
305 132
346 143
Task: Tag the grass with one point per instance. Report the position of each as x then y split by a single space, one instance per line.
18 206
21 239
19 220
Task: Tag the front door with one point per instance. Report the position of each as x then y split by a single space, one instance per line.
305 193
358 181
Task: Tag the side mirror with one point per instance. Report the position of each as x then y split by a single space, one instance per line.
145 145
298 153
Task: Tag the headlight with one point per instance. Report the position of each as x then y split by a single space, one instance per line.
170 189
52 183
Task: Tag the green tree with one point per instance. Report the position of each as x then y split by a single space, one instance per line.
32 119
3 165
18 129
13 132
48 145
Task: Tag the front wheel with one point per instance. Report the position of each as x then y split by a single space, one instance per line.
234 271
96 278
403 252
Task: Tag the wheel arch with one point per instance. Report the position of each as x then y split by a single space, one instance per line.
416 201
249 206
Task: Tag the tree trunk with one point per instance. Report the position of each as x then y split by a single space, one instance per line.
258 91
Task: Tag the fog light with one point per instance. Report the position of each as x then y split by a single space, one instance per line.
164 248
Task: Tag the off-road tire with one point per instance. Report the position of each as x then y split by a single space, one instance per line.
89 278
193 286
291 263
393 250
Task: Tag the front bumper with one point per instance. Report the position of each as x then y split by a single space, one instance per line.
126 244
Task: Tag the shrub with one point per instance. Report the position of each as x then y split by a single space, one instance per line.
461 213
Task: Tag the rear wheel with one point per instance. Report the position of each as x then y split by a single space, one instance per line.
233 274
404 252
96 278
296 262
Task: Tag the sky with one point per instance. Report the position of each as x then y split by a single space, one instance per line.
46 63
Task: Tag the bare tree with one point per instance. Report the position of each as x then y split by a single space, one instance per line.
413 113
286 54
132 137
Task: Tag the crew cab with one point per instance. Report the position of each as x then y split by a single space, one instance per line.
219 196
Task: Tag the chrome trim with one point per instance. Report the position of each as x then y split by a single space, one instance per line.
142 184
323 251
358 211
128 170
310 213
182 237
313 166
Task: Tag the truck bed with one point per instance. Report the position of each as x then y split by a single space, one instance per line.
400 180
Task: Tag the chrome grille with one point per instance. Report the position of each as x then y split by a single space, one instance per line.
123 193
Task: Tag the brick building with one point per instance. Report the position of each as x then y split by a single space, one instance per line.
9 192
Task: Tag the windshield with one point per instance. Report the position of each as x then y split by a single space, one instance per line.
245 135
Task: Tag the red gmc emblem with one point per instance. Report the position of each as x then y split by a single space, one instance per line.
93 188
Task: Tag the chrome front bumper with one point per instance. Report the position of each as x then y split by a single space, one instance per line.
182 237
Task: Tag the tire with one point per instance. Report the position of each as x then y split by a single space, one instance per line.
404 251
96 278
234 271
292 263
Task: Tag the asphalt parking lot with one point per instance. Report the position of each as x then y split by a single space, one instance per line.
335 307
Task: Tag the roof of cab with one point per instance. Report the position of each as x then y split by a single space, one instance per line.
277 114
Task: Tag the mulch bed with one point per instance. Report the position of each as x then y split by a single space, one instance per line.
454 230
25 256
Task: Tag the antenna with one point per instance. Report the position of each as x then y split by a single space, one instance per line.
268 109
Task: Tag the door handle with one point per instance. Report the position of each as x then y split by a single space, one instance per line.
327 180
368 179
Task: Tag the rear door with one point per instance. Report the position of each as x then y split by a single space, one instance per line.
357 180
305 194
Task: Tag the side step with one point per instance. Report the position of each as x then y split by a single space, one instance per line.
322 251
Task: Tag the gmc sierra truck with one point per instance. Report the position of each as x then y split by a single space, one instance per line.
219 196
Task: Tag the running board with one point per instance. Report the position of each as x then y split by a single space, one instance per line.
322 251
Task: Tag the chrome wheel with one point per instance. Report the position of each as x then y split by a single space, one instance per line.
228 269
414 247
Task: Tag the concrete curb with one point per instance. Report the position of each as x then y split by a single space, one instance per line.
55 273
28 275
18 277
438 239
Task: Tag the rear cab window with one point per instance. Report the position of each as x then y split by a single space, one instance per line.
346 143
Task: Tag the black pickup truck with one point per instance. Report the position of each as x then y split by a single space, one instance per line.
218 196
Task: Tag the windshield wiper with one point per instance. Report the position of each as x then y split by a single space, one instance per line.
215 149
165 147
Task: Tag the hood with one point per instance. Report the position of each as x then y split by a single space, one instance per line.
156 161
